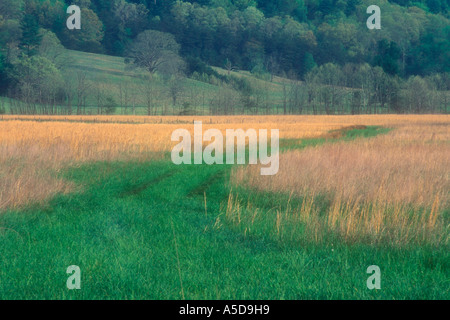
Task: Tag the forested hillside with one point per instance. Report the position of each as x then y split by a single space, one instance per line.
330 62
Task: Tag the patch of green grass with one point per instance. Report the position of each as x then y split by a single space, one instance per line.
367 132
347 135
112 73
121 231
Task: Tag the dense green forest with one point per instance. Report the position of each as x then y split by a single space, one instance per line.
330 62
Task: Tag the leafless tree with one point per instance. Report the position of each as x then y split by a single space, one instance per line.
149 94
82 91
175 88
296 97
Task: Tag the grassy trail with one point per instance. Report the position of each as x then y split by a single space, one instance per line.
141 231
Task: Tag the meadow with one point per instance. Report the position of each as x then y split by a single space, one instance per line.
95 77
100 192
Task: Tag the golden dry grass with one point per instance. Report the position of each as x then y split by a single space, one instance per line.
32 152
27 174
32 148
408 165
293 127
393 186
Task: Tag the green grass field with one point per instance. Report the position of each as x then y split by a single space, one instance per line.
141 230
109 76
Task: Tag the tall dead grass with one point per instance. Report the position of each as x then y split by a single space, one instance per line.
294 127
32 153
345 221
408 165
391 187
28 174
34 148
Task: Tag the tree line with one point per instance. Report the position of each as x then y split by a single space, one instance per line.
328 89
328 60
